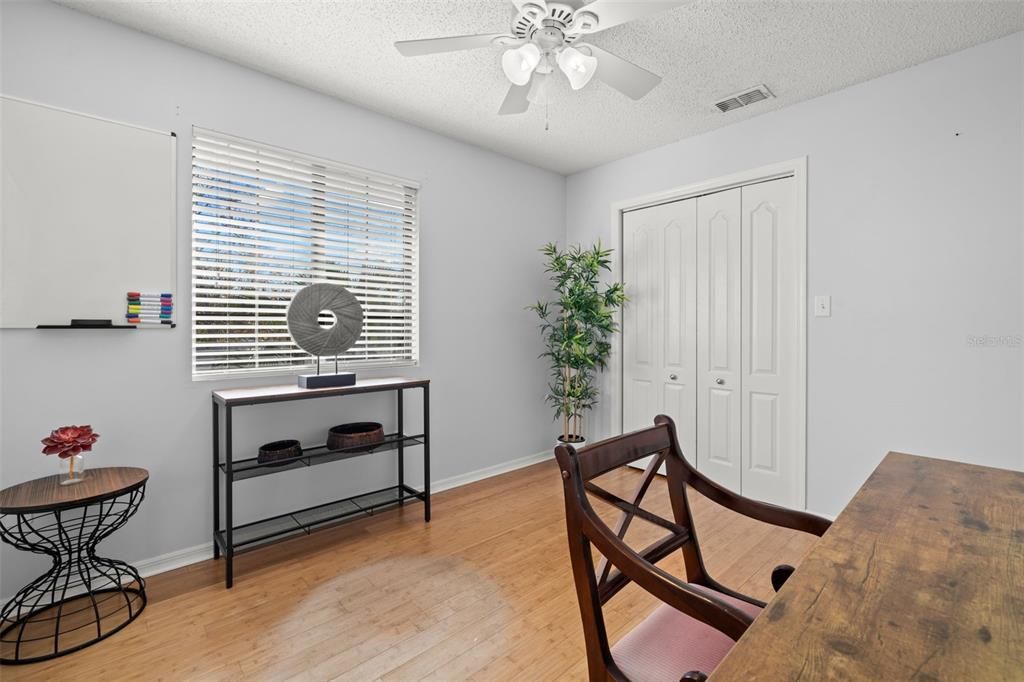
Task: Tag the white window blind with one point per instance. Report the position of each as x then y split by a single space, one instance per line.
267 221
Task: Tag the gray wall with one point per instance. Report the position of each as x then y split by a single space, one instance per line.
479 268
918 234
914 231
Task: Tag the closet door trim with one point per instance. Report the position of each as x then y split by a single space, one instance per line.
610 422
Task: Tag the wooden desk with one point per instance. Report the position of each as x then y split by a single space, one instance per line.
920 578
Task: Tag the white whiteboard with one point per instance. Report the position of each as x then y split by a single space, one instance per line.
87 215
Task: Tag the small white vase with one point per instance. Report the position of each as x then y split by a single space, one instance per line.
72 469
577 444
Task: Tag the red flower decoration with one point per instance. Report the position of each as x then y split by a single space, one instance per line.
68 441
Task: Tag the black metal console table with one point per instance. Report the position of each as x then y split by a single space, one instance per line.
232 537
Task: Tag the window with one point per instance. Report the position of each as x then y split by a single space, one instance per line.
266 222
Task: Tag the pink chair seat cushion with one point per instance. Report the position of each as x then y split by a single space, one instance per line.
668 644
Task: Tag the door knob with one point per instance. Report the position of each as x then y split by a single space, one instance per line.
719 381
673 377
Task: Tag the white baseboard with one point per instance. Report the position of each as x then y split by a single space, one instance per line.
173 560
192 555
159 564
488 472
830 517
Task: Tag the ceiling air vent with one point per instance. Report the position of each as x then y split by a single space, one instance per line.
742 99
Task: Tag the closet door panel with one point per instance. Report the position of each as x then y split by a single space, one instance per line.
680 403
642 322
679 340
762 448
761 233
772 433
721 424
718 337
660 318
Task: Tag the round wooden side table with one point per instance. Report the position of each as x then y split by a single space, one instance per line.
83 598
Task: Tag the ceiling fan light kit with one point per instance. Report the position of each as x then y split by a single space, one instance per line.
577 67
544 35
519 63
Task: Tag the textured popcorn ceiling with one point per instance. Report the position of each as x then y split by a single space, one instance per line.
704 51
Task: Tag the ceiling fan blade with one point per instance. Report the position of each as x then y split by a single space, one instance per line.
631 80
516 101
416 48
614 12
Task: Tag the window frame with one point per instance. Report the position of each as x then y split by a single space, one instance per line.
326 364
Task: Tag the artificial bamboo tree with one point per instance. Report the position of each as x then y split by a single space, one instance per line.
577 326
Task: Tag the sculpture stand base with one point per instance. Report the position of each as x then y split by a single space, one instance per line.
327 380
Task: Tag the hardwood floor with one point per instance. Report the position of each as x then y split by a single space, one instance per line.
483 592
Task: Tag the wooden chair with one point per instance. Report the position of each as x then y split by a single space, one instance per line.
699 619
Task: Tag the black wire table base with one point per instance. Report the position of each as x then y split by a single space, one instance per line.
83 598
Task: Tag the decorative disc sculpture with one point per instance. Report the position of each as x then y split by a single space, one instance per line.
305 329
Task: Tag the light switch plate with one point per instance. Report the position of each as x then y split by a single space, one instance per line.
823 306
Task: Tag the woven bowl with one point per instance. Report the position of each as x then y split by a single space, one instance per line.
364 435
279 451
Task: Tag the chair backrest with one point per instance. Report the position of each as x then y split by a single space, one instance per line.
621 564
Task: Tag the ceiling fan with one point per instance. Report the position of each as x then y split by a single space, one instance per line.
549 35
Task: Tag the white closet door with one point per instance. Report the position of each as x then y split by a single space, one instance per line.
718 337
641 323
660 319
679 336
772 439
